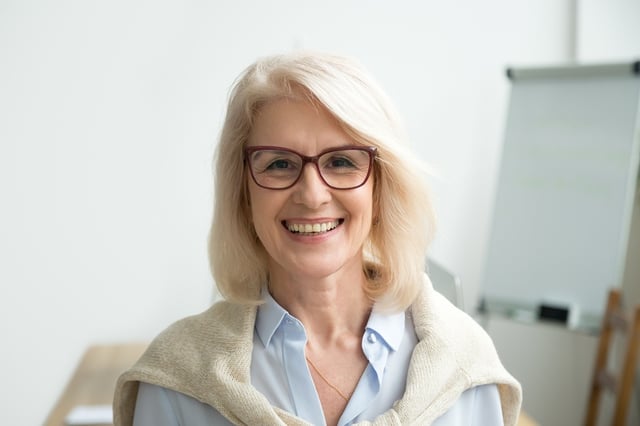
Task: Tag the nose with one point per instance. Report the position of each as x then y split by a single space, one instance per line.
310 189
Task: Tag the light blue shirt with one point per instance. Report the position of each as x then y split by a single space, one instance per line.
279 371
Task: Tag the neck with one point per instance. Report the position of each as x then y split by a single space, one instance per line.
329 307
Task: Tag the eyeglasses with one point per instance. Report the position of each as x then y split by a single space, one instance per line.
346 167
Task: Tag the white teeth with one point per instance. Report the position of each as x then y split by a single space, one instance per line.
308 228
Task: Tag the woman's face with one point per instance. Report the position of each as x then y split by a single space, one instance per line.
309 130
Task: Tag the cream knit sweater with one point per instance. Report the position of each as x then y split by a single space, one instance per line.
208 357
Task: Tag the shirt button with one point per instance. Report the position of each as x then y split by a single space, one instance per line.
371 338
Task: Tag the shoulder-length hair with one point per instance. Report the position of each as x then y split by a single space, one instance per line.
403 223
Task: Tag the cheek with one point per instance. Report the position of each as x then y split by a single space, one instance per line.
259 221
364 206
263 208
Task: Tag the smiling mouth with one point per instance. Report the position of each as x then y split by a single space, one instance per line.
312 228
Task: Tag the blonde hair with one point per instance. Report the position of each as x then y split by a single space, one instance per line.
403 223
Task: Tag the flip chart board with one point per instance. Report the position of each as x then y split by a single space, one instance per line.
566 188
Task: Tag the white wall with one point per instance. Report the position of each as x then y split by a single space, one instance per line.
109 114
608 31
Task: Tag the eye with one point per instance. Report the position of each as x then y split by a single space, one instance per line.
274 162
279 164
339 162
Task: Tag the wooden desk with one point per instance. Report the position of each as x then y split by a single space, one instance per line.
94 380
525 420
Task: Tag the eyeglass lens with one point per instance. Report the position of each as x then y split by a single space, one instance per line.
341 169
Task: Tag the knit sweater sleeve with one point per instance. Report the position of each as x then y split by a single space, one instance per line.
207 357
453 354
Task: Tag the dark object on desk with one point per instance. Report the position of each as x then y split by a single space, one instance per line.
553 313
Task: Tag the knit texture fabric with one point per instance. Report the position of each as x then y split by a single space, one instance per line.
208 357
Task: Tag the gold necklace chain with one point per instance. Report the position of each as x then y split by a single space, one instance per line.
331 385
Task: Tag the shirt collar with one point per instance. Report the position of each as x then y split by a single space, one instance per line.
269 317
390 327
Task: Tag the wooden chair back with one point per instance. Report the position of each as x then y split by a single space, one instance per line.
621 384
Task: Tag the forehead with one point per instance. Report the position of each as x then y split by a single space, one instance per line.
297 124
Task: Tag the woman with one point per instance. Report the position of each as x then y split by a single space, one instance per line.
318 244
